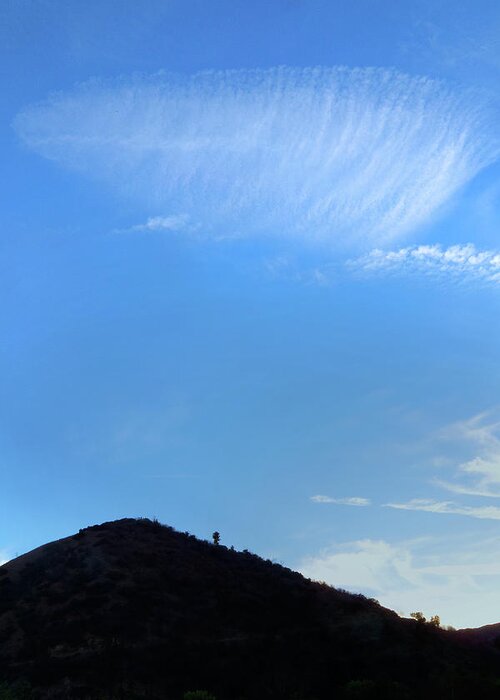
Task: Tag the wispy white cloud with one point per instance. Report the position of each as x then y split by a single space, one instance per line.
175 222
351 501
465 490
367 565
339 154
448 507
466 48
461 262
479 475
457 579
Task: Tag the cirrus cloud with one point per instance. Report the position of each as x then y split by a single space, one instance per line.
339 154
480 474
430 505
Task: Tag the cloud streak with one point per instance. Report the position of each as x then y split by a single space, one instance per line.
448 507
461 262
351 501
344 155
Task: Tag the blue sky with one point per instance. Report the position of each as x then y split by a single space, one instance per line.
250 276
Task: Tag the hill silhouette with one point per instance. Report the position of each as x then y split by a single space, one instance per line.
134 609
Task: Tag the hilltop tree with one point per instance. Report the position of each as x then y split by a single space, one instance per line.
418 616
216 537
434 621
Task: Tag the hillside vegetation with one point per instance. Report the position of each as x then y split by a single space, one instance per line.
134 609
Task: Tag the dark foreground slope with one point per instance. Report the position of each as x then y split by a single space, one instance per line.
133 609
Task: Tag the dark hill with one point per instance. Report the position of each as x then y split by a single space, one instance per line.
486 635
134 609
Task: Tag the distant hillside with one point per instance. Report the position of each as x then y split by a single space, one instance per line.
133 609
486 635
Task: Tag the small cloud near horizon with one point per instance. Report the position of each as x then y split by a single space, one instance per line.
352 501
457 578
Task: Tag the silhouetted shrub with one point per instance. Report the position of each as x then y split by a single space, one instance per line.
198 695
